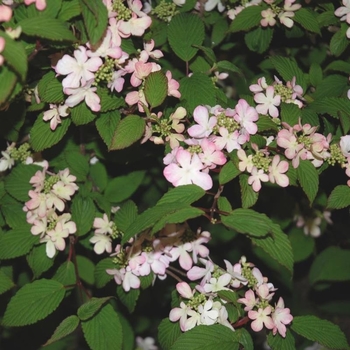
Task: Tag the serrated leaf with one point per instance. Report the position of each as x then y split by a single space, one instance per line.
259 39
109 101
184 31
128 334
332 106
12 120
186 194
86 269
248 195
5 283
78 164
38 261
99 176
17 183
277 342
90 308
50 89
329 266
13 212
125 215
106 126
65 274
83 213
265 123
33 302
307 19
104 330
156 88
168 332
332 86
69 10
224 204
320 331
308 179
339 198
198 89
66 327
219 31
42 137
340 66
128 131
16 242
51 9
8 80
228 66
315 74
302 245
123 187
129 299
246 19
101 276
339 41
82 115
290 113
47 28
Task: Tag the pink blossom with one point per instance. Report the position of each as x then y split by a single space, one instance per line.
256 177
39 4
180 313
54 115
117 82
345 144
2 47
261 318
5 16
260 86
249 300
142 70
107 48
181 252
148 47
209 314
135 26
196 272
268 102
173 85
277 170
246 163
268 18
227 140
211 156
103 225
281 317
246 116
185 290
204 126
136 97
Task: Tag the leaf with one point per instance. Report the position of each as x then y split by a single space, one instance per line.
78 164
90 308
207 338
198 89
259 39
17 182
302 245
109 101
5 283
224 204
290 113
156 88
47 28
15 56
277 342
248 18
128 334
219 31
185 194
104 330
228 66
86 269
209 53
307 19
69 10
66 327
106 126
33 302
8 80
38 261
265 123
42 137
128 131
168 332
129 299
123 187
249 196
65 274
12 120
125 215
308 179
339 198
82 115
331 86
315 74
332 106
101 276
13 212
16 242
339 41
329 266
320 331
50 89
99 176
95 17
340 66
184 31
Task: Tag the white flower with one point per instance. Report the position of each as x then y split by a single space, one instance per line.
6 162
102 243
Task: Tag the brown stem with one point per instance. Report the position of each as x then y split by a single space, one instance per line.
173 275
177 271
213 208
241 322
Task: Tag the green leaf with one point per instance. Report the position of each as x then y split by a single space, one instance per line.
5 283
104 330
259 39
90 308
38 261
15 56
12 121
168 332
106 126
329 266
340 66
13 212
128 334
184 31
307 19
185 195
78 164
128 131
156 88
209 53
248 195
308 179
320 331
198 89
33 302
290 113
16 242
331 105
125 215
332 86
8 80
50 89
339 198
81 114
207 338
302 245
99 176
42 137
51 10
17 183
265 123
219 31
224 204
65 274
46 28
327 18
123 187
277 342
129 299
109 101
228 66
86 269
95 17
66 327
315 74
248 18
339 41
101 276
69 10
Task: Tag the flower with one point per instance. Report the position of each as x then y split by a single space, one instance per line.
54 114
204 126
103 225
39 4
345 145
277 170
281 317
256 177
261 318
268 102
2 47
5 16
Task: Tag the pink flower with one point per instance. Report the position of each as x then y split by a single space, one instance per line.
281 317
211 156
268 102
204 126
246 163
268 18
2 47
256 177
227 140
173 85
187 171
142 70
103 225
5 16
246 116
261 318
277 170
39 4
249 300
54 115
136 97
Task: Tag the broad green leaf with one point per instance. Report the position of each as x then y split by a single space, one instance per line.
129 299
245 339
168 332
339 41
209 53
327 18
66 327
290 113
207 338
128 131
339 198
50 89
259 39
16 242
339 66
315 74
82 115
95 17
277 342
8 80
66 274
42 137
332 86
51 10
98 175
128 334
248 195
320 331
198 89
15 56
90 308
332 106
248 18
33 302
46 28
123 187
329 266
13 212
219 31
308 179
125 215
104 330
78 164
17 183
106 126
38 261
86 269
224 204
101 276
302 245
69 10
83 213
307 19
5 283
12 121
265 123
109 101
184 31
156 88
227 66
186 194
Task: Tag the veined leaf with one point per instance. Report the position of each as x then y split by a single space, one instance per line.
156 88
66 327
308 179
339 198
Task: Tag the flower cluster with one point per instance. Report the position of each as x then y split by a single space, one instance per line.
204 305
344 13
45 208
